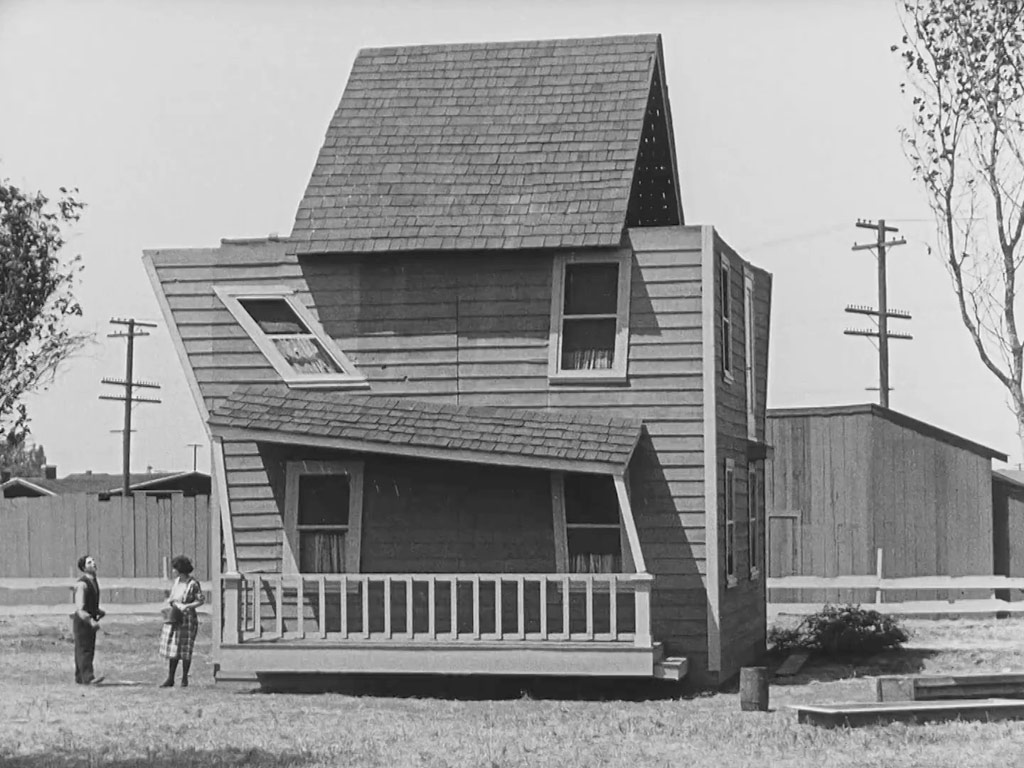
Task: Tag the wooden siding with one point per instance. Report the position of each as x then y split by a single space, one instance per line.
474 329
854 483
743 621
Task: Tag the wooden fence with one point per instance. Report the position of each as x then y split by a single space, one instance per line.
132 537
963 594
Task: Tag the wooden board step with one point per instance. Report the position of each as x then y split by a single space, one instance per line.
1007 685
671 668
857 714
793 663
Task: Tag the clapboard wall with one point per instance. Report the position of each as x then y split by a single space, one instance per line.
134 537
474 329
847 481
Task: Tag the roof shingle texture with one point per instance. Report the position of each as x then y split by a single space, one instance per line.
481 146
380 421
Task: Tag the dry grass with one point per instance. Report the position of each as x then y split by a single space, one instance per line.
48 721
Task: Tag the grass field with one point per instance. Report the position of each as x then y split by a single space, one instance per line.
45 720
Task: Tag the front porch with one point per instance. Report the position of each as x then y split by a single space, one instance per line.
510 624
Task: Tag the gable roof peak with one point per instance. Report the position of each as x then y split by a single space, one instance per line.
484 146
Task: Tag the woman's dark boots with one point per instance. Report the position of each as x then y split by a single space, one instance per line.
185 664
172 668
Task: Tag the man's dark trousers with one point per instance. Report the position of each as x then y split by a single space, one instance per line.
85 649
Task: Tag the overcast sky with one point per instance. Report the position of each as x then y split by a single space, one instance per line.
184 122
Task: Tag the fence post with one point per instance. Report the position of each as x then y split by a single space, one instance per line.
878 574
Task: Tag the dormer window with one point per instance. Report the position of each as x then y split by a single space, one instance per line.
589 317
289 336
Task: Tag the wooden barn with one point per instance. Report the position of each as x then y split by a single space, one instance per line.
846 481
493 407
1008 522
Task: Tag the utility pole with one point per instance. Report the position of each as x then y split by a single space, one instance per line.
129 384
883 313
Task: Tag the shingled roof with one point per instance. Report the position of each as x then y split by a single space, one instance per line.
389 425
553 144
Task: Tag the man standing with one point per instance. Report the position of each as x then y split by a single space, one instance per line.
86 620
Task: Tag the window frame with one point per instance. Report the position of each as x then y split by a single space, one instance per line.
729 518
294 470
561 528
620 353
755 513
725 297
749 331
232 296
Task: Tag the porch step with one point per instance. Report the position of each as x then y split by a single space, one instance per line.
1008 685
671 668
857 714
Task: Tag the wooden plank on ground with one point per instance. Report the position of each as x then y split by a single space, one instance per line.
792 664
861 713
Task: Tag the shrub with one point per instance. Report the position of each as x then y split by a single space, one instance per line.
838 630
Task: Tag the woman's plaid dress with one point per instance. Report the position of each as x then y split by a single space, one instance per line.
178 640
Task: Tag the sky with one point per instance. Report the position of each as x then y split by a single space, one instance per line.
184 122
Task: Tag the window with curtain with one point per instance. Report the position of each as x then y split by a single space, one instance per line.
592 530
323 522
289 336
293 340
589 316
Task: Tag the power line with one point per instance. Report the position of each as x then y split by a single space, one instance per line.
883 313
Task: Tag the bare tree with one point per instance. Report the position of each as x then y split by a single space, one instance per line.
965 66
36 298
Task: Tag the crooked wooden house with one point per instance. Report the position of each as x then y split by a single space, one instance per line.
493 407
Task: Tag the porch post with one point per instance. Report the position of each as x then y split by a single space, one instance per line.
626 512
232 582
642 605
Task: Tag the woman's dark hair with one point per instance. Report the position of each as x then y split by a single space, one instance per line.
81 562
181 564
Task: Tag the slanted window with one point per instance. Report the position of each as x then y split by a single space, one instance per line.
589 317
289 337
755 514
749 325
725 288
589 535
730 521
323 515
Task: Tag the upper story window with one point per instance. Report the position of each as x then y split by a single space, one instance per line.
590 317
725 287
289 336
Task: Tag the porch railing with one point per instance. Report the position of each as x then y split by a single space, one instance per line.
566 607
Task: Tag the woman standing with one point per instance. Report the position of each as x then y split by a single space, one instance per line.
179 637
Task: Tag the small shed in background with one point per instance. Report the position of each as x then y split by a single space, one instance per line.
1008 521
846 481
